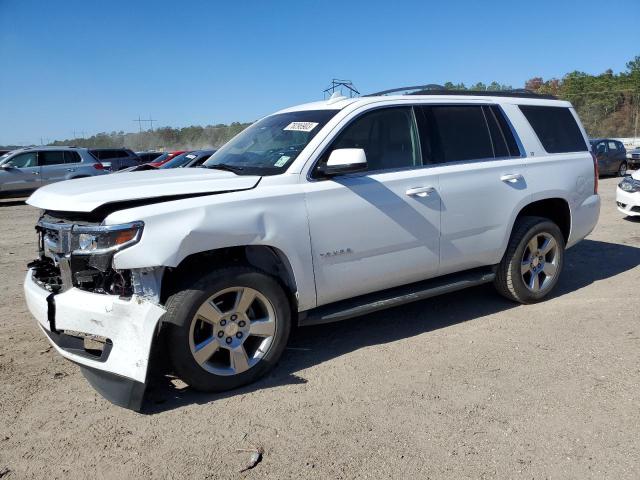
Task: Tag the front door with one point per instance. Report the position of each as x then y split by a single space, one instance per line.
379 228
21 175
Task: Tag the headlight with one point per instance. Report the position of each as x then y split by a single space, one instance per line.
629 184
105 238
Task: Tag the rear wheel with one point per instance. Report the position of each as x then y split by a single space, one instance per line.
227 328
533 261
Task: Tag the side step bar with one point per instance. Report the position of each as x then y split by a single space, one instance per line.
394 297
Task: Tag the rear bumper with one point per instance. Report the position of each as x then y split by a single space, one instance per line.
628 202
584 219
119 371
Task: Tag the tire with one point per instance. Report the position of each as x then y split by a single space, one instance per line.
206 340
517 272
622 170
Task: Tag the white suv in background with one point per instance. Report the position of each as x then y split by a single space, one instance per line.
314 214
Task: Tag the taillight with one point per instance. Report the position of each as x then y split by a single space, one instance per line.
595 173
98 166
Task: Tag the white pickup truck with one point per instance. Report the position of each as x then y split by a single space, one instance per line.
314 214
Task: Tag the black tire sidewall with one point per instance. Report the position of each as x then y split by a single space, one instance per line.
182 306
526 295
625 170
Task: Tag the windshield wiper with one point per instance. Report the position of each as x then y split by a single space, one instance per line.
226 167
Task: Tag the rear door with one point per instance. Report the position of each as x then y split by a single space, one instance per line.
23 176
616 156
483 179
52 166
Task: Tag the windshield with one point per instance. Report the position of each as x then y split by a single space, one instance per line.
270 145
179 160
161 158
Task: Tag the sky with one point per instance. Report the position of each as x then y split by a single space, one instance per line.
95 66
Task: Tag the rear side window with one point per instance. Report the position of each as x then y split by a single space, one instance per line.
71 157
556 128
454 133
51 158
505 130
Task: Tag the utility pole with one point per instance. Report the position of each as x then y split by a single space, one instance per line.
139 120
635 128
336 84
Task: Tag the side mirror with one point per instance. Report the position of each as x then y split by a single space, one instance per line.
345 160
6 167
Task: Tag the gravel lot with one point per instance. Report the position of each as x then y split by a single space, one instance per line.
467 385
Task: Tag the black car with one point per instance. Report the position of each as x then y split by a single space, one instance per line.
194 158
611 155
146 157
116 159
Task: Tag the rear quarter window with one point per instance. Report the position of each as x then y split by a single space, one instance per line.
556 128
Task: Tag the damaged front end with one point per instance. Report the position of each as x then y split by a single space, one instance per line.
81 256
101 318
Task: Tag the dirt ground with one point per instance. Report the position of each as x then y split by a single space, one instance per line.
467 385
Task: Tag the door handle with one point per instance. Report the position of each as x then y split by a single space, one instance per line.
511 178
71 169
420 191
36 173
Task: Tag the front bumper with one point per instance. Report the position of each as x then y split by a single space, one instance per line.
119 371
628 202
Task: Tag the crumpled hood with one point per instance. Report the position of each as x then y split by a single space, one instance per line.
87 194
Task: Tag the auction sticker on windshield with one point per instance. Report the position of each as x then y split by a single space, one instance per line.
301 126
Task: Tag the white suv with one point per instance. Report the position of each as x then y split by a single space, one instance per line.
313 214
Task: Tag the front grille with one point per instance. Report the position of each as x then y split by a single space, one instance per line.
47 274
59 269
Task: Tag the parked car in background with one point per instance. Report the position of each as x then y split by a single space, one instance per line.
146 157
628 195
165 157
115 159
24 170
194 158
633 158
611 155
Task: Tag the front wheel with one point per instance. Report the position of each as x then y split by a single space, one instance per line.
533 261
227 328
622 171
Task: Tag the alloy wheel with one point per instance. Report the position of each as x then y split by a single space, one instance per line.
232 331
539 263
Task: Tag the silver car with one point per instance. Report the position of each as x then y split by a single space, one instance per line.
24 170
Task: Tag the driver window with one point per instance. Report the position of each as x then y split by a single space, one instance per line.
24 160
388 137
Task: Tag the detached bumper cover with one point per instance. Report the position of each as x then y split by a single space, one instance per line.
628 202
120 371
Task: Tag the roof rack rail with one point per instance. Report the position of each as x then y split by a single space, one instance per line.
431 86
433 89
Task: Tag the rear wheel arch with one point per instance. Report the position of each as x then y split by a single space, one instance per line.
555 209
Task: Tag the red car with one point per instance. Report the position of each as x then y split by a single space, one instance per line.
164 158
